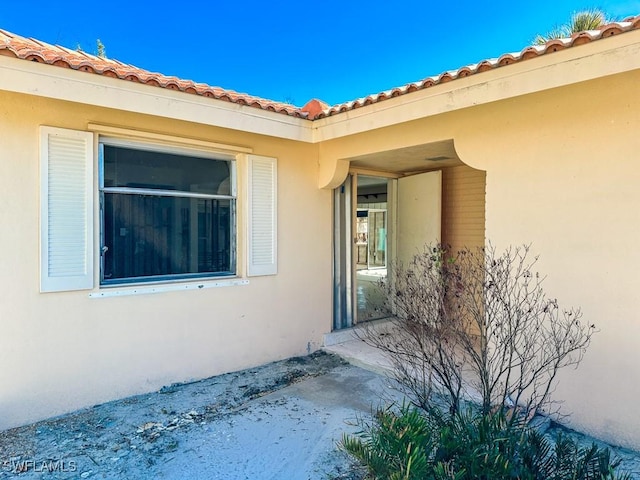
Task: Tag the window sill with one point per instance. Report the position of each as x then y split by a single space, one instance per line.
145 290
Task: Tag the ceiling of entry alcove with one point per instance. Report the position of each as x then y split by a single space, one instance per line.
410 160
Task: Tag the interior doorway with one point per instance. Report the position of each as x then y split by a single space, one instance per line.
371 247
379 221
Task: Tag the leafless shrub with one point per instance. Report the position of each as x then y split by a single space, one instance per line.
477 325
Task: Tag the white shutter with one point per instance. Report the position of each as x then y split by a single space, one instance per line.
66 209
262 245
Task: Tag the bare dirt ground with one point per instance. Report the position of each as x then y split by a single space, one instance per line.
277 421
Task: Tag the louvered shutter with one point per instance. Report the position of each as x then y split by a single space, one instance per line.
262 238
66 208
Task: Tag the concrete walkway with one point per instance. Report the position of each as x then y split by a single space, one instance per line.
348 345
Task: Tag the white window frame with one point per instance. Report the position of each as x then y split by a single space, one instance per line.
259 184
176 150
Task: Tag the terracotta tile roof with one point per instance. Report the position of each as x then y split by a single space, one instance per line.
533 51
34 50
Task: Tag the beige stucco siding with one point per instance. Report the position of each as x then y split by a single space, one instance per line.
62 351
562 174
463 207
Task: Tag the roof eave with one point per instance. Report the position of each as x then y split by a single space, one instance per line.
610 56
43 80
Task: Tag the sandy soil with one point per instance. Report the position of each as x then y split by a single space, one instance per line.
278 421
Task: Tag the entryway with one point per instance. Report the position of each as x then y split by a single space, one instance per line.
380 219
391 205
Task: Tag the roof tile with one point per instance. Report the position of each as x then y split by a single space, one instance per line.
34 50
613 28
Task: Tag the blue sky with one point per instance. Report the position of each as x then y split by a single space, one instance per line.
335 50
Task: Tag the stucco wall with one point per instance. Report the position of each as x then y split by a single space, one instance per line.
562 174
62 351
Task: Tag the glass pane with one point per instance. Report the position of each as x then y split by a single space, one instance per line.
371 248
151 236
377 227
128 167
371 254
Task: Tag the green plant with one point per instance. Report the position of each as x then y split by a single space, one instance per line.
590 19
410 443
101 50
392 446
475 324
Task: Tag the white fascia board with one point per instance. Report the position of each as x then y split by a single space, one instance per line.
600 58
58 83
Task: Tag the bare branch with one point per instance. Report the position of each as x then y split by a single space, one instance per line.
478 321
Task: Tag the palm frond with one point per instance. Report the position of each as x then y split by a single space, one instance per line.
590 19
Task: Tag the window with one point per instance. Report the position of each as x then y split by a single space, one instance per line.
165 213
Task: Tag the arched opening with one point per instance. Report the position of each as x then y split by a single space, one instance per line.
389 207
